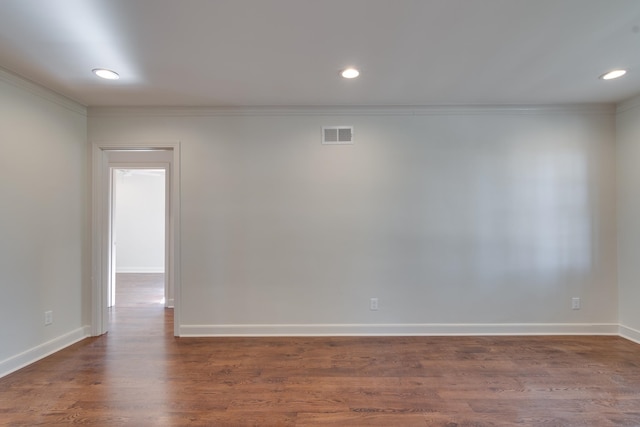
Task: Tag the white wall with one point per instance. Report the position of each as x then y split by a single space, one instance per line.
462 217
628 143
43 239
451 217
139 221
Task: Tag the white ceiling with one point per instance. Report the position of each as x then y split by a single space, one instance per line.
289 52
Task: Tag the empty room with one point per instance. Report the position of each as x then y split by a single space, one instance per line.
367 212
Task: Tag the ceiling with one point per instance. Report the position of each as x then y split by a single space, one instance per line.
224 53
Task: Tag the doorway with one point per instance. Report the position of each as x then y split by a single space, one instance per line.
138 238
107 159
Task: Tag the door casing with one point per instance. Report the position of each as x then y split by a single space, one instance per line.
105 156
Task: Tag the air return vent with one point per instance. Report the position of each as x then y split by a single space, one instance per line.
337 135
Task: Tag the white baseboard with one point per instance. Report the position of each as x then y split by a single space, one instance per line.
140 270
400 329
629 333
41 351
169 303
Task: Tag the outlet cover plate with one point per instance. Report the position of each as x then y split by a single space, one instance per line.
575 303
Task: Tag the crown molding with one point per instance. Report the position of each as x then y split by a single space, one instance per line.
42 92
391 110
629 104
398 110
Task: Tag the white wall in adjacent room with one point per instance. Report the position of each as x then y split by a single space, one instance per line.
447 216
43 226
139 220
628 143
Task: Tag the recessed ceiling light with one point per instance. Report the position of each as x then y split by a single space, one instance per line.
350 73
613 74
106 74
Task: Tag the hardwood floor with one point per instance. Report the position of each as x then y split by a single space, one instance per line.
139 289
140 375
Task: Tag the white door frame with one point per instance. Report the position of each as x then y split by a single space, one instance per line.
101 227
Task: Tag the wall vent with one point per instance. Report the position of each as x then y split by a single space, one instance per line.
340 135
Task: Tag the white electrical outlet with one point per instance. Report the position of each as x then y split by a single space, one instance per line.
48 317
575 303
373 304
